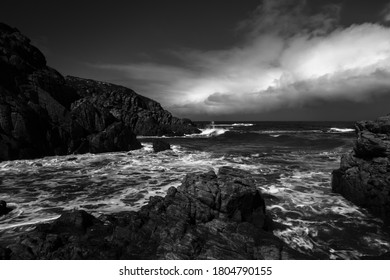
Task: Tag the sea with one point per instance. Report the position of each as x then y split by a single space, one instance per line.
291 163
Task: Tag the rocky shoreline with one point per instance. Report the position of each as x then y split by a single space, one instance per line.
364 173
42 113
210 216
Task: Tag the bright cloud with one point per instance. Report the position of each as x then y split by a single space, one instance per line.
289 58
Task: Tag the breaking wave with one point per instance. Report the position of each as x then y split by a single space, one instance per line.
209 132
242 124
293 171
341 130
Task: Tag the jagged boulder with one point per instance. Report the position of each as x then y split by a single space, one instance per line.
364 174
160 145
210 216
116 137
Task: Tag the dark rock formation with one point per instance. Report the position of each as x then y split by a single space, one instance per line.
145 116
208 217
364 174
42 113
35 108
3 208
160 145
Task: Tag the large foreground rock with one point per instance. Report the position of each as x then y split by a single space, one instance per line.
43 113
208 217
364 174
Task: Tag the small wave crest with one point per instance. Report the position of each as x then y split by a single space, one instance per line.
242 124
340 130
209 132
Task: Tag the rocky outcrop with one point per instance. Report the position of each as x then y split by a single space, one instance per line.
208 217
42 113
4 210
364 174
159 146
145 116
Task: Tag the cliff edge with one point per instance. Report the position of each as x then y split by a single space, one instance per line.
43 113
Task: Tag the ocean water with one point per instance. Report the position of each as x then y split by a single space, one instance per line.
290 161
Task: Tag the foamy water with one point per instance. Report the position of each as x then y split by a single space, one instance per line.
341 130
210 132
295 180
41 189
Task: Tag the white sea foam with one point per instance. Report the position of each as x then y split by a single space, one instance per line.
100 183
214 131
312 212
210 132
242 124
104 183
341 130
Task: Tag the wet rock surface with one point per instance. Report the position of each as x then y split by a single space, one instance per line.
43 113
364 174
159 146
4 210
210 216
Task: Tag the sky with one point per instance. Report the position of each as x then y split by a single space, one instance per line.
224 59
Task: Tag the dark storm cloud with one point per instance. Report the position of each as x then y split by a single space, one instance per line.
289 18
290 58
385 13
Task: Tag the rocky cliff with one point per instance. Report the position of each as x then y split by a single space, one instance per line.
145 116
364 174
42 113
210 216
